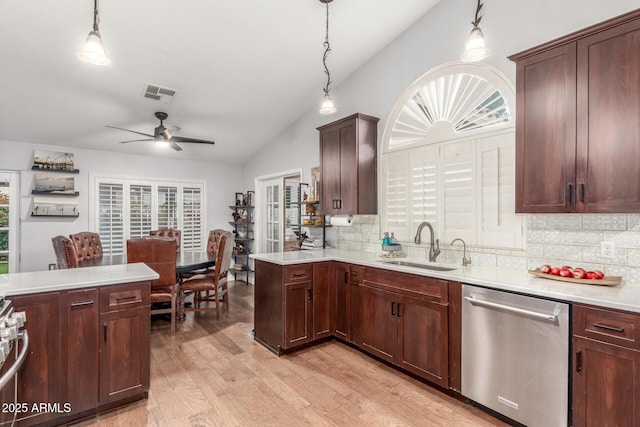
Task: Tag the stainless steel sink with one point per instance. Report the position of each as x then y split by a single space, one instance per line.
419 265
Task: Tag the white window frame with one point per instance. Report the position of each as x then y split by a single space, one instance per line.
154 183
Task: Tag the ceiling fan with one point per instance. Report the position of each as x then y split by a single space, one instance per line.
164 135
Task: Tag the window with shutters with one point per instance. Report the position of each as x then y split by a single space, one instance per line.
449 158
124 209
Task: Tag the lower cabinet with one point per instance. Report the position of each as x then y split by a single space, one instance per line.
606 367
75 365
346 301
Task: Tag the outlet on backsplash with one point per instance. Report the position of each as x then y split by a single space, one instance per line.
607 250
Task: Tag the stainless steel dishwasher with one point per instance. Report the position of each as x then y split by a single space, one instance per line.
515 355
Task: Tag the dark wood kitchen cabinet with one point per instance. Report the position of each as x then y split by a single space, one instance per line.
292 304
405 321
606 367
346 301
348 165
577 109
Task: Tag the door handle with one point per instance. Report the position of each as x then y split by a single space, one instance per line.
578 360
346 280
569 193
393 308
609 328
581 193
81 303
551 318
104 329
309 294
399 309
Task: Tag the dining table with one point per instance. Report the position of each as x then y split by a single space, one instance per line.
186 262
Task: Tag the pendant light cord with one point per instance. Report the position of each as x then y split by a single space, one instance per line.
95 15
327 49
476 22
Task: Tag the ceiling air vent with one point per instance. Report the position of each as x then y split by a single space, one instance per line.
158 93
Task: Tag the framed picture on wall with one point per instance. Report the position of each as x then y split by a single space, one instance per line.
53 161
315 183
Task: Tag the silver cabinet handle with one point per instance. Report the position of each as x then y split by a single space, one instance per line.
551 318
18 362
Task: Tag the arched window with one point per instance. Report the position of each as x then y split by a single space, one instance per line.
449 158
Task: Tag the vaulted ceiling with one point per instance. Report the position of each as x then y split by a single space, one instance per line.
243 70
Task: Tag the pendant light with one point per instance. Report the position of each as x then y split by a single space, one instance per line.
93 52
476 49
327 106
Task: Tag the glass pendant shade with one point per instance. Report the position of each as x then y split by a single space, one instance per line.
93 52
327 106
476 49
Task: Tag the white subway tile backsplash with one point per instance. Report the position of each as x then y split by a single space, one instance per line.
604 222
582 237
560 221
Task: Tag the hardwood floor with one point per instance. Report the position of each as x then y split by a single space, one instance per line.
212 373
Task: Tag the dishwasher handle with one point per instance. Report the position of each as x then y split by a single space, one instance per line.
551 318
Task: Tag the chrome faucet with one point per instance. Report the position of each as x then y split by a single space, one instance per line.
434 248
465 261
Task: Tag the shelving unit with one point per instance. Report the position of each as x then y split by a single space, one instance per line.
47 206
308 216
243 231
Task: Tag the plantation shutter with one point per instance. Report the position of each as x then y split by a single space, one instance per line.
191 218
396 209
424 187
111 217
459 192
139 210
167 207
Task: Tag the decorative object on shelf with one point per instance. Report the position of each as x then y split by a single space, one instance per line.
327 106
54 185
310 209
93 52
315 184
605 281
53 161
243 231
308 216
476 49
55 209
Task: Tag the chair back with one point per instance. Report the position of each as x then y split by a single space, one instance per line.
214 237
169 233
65 251
223 256
158 254
87 245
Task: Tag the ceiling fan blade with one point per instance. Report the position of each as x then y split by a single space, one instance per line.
185 139
175 146
170 131
129 130
136 140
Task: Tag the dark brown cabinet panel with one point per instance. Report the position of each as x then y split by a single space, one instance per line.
298 313
342 302
578 103
268 306
81 336
348 153
41 375
321 299
606 367
379 323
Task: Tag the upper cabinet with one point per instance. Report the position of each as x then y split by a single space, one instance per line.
348 166
578 121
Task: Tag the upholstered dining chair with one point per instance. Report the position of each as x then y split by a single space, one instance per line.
168 233
211 286
65 251
87 245
212 248
160 255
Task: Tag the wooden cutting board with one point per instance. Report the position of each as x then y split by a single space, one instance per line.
606 281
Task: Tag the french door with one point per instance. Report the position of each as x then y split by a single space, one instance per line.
9 221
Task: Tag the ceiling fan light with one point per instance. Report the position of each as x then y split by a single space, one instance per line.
476 49
161 142
327 106
93 52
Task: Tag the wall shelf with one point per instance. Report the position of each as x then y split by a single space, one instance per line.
36 168
51 193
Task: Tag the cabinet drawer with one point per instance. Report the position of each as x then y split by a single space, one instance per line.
612 326
298 273
124 297
408 284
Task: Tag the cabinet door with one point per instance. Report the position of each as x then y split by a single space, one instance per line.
81 337
606 384
321 299
41 377
124 354
545 131
298 317
608 111
423 336
341 302
330 171
355 314
379 322
348 202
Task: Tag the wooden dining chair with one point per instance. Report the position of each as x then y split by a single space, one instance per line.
87 245
65 251
168 233
160 255
211 286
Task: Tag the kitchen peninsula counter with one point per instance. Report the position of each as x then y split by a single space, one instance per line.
625 296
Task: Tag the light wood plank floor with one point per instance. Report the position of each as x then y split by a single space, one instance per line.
212 373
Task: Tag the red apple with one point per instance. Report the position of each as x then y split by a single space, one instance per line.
566 267
599 274
565 273
546 268
555 271
591 275
579 273
579 269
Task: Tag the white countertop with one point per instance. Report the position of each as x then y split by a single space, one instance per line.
622 296
73 278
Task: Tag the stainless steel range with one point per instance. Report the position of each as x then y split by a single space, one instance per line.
14 345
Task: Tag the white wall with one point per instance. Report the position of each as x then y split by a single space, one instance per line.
509 26
35 233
